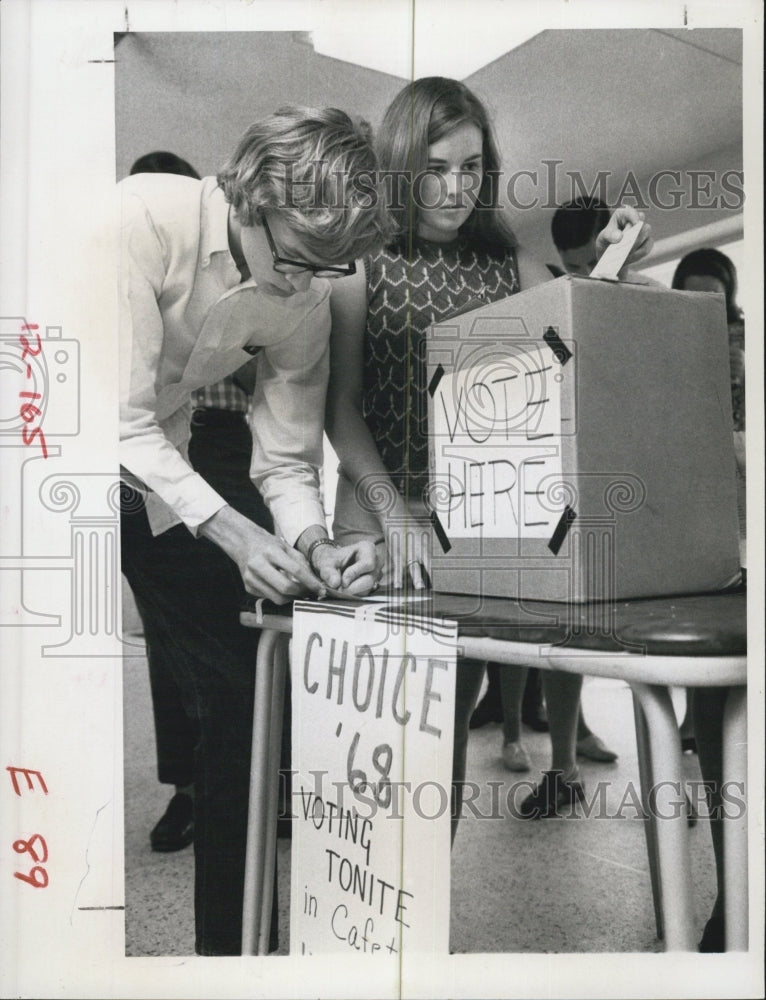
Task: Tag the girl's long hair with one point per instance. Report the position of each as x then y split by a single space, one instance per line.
421 114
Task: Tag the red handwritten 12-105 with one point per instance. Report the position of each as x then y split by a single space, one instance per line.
29 411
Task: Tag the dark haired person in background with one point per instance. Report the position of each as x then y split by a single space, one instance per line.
574 229
163 162
709 270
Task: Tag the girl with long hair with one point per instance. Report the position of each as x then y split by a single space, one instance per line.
454 250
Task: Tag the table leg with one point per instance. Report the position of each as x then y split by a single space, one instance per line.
272 786
255 856
734 826
650 820
667 797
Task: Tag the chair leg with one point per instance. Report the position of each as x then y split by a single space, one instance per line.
650 820
667 798
735 826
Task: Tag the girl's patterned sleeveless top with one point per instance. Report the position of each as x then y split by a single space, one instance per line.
405 295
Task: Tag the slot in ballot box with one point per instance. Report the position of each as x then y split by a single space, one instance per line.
580 438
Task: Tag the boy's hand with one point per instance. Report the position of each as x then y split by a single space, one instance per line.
352 569
269 567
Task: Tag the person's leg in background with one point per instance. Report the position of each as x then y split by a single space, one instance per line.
494 705
591 746
533 711
490 708
708 706
468 681
512 683
561 785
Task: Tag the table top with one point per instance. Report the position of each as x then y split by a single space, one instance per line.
701 625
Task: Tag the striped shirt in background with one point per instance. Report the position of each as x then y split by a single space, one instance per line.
223 395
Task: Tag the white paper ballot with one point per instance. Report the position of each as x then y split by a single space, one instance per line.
615 255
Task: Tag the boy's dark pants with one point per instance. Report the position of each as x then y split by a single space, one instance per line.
220 449
191 591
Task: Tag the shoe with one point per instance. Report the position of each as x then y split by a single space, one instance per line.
536 718
484 713
688 744
515 757
550 795
176 828
593 748
713 937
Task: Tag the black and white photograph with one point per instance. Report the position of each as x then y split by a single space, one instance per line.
379 562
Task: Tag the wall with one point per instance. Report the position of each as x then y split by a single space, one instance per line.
533 228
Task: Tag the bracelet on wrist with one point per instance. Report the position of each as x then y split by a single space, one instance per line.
315 545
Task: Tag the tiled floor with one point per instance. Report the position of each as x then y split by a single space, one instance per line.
558 885
567 884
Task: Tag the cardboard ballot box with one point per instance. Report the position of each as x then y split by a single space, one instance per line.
581 444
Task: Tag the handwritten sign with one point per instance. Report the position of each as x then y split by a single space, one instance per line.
373 709
497 432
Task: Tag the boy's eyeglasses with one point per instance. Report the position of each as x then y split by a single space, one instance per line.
285 266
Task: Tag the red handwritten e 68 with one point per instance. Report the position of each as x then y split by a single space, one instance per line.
35 847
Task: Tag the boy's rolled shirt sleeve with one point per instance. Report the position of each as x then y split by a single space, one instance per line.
287 422
145 448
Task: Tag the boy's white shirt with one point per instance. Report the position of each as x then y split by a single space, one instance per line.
186 320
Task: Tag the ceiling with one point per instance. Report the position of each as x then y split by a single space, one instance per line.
616 100
194 93
596 100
